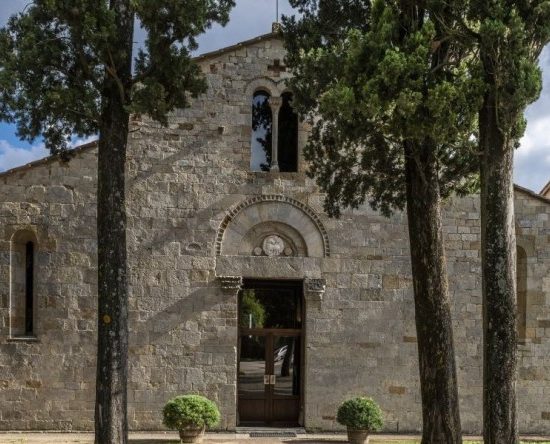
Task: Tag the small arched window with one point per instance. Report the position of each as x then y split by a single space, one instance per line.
262 122
288 135
22 289
521 289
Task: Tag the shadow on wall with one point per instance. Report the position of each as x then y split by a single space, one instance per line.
188 308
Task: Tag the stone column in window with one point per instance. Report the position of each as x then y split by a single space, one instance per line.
275 104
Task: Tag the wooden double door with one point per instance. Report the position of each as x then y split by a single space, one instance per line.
270 353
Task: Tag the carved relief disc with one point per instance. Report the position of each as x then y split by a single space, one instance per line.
273 246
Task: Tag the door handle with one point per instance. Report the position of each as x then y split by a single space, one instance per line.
269 379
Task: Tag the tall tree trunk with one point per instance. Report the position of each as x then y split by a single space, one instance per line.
498 244
111 426
440 409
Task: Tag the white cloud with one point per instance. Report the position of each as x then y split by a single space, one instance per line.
532 159
13 156
77 141
248 19
532 163
10 7
536 138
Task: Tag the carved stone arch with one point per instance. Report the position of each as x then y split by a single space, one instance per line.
290 219
274 88
22 235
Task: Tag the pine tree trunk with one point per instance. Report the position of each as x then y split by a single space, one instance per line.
111 425
440 409
498 245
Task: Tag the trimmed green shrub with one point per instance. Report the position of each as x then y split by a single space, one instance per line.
190 410
360 414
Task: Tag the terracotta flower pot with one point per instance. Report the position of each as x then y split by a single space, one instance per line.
192 434
358 436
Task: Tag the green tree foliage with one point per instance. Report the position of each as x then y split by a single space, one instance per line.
251 306
392 103
66 69
366 86
54 56
508 37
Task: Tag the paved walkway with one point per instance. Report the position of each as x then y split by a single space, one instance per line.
211 438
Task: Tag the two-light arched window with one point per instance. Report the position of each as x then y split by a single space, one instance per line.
22 297
274 142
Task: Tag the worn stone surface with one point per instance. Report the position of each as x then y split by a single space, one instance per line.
192 205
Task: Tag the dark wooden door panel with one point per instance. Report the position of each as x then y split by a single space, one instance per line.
252 411
286 411
270 351
251 371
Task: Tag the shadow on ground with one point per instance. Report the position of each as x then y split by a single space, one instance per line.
153 441
312 441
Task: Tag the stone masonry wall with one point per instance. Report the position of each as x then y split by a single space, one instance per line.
182 181
48 382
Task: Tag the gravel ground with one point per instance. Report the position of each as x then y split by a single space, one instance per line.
211 438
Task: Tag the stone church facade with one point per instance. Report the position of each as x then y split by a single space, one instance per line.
241 288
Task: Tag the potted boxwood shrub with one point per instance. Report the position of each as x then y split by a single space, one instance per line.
361 416
190 415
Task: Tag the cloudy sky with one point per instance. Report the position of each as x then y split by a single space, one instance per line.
254 17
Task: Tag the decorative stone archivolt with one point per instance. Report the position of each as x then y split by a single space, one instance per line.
272 225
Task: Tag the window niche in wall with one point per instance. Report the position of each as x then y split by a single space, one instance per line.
261 141
288 136
521 288
22 289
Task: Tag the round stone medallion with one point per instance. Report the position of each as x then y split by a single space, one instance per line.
273 245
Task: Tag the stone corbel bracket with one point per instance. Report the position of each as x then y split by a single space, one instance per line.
231 284
314 289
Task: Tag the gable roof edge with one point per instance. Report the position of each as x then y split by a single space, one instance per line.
532 193
217 52
201 57
49 159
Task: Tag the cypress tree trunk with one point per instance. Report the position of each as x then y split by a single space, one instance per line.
498 245
112 346
440 409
